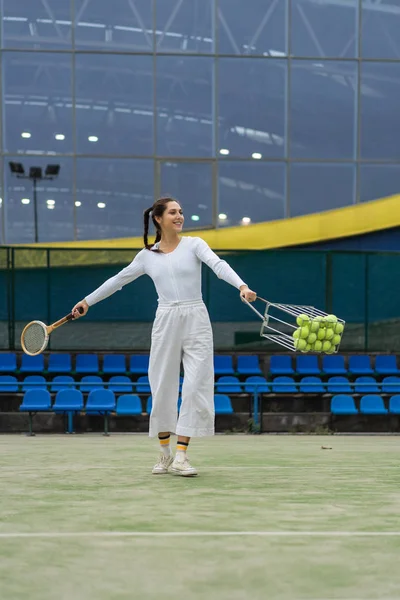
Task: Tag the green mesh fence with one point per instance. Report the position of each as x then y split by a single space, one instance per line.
44 284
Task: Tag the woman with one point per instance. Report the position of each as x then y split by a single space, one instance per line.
181 330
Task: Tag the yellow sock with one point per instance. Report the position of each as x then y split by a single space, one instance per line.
165 447
181 448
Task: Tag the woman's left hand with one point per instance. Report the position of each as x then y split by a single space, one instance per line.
247 294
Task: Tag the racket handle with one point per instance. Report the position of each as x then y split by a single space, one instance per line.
71 316
62 321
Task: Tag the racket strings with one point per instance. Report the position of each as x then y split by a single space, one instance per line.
34 337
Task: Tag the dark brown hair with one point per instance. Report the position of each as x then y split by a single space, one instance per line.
157 210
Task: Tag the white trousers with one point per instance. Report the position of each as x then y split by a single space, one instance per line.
182 331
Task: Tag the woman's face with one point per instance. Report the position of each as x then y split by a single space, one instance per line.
172 219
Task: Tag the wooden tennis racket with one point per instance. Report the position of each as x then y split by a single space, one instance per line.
35 335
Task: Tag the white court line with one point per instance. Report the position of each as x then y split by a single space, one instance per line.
150 534
132 464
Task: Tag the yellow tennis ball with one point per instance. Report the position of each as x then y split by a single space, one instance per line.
307 348
331 318
304 332
321 334
296 333
303 320
338 328
314 326
312 338
331 350
329 333
336 339
326 346
300 344
318 346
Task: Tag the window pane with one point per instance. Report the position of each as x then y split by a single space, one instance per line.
111 196
54 199
324 28
252 190
379 181
380 29
319 187
114 104
36 24
184 26
191 184
380 125
37 102
116 25
251 107
252 27
184 106
323 109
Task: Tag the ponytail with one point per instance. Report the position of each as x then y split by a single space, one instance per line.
146 215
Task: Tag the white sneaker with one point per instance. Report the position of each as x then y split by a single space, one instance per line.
183 467
161 468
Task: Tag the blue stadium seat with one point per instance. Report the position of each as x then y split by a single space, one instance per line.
386 365
283 385
8 362
394 405
87 363
334 365
228 384
68 401
311 385
8 383
143 386
339 385
59 363
343 405
139 364
91 382
121 384
103 402
32 364
391 385
35 401
281 365
223 404
248 365
360 364
366 385
129 404
34 382
223 365
307 365
114 363
62 382
372 405
262 386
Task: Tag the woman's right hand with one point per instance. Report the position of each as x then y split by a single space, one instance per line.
80 309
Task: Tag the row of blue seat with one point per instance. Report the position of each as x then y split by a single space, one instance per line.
114 364
344 404
223 364
228 384
100 401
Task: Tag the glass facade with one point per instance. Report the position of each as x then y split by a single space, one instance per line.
245 111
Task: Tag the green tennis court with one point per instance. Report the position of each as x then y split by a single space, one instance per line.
273 517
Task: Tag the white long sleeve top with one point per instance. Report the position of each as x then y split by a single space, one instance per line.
176 275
